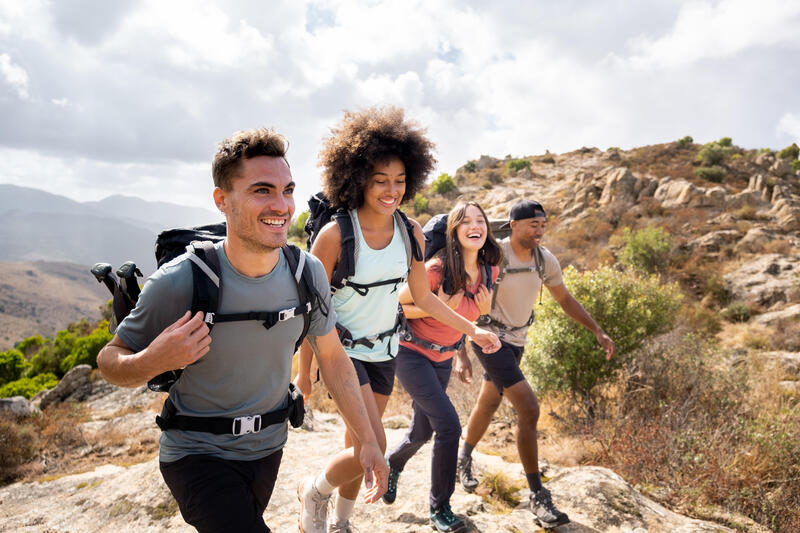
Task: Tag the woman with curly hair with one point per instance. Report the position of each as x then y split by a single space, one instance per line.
374 160
424 362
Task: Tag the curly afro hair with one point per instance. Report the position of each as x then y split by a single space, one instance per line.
365 138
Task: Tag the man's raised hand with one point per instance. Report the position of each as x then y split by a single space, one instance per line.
182 342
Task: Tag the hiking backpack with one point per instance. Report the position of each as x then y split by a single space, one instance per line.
198 244
320 213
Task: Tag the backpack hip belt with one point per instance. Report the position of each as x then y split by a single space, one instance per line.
408 336
486 320
369 341
237 426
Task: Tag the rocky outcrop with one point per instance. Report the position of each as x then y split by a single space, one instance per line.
620 186
17 407
768 279
787 214
753 241
746 198
781 168
486 161
712 242
680 193
74 384
789 362
774 317
114 498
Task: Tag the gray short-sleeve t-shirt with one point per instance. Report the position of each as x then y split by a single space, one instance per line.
247 369
517 293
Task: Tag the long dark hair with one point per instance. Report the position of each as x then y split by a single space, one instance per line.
452 255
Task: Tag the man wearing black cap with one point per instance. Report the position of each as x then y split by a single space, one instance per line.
527 267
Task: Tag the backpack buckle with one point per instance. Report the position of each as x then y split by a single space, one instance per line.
286 314
243 425
209 318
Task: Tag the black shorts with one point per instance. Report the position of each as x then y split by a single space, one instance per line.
220 495
502 366
380 376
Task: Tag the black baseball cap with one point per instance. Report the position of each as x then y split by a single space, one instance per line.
524 209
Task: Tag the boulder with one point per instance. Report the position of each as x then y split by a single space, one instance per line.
620 186
765 160
754 240
679 193
712 242
781 168
486 161
773 317
766 279
74 384
788 361
17 407
786 214
648 188
745 199
524 174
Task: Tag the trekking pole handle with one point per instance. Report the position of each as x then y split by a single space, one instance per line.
128 270
102 273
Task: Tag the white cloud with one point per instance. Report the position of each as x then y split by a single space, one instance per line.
706 30
15 76
789 124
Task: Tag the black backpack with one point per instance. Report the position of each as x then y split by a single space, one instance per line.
206 271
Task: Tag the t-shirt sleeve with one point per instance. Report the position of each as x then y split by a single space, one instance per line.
435 274
552 269
323 317
165 297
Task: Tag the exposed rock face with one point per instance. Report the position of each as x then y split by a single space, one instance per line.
765 159
113 498
680 193
746 198
789 361
766 279
17 407
754 240
773 317
486 161
787 214
620 186
781 168
712 242
74 384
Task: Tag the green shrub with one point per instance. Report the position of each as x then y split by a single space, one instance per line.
45 361
12 366
715 152
725 141
470 166
562 355
795 166
613 149
765 150
790 152
736 157
28 387
297 230
516 165
421 204
443 184
646 250
685 141
30 345
736 312
85 349
715 174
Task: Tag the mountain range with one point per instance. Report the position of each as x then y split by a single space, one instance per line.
38 225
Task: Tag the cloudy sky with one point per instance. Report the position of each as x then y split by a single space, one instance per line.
102 97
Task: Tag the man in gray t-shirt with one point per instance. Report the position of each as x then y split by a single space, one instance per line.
519 284
223 482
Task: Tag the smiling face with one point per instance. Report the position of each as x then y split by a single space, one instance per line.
529 231
260 203
471 230
385 186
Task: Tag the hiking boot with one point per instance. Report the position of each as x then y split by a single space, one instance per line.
344 527
445 521
544 511
468 481
313 507
391 492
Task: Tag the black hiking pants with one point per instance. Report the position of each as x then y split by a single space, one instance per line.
218 495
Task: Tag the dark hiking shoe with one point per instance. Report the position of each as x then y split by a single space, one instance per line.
445 521
544 511
391 492
468 481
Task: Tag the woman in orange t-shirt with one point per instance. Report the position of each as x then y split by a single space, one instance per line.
457 274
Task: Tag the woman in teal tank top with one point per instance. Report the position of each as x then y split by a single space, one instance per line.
374 160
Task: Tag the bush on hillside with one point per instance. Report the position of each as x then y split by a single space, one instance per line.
714 174
737 312
85 349
646 250
791 152
12 366
516 165
470 166
443 184
563 355
421 204
685 141
715 152
45 361
795 165
297 230
28 387
30 345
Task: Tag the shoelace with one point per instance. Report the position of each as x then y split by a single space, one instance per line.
393 475
446 513
320 507
544 499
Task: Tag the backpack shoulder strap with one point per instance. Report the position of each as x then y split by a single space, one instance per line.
487 275
206 274
297 261
346 267
413 251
